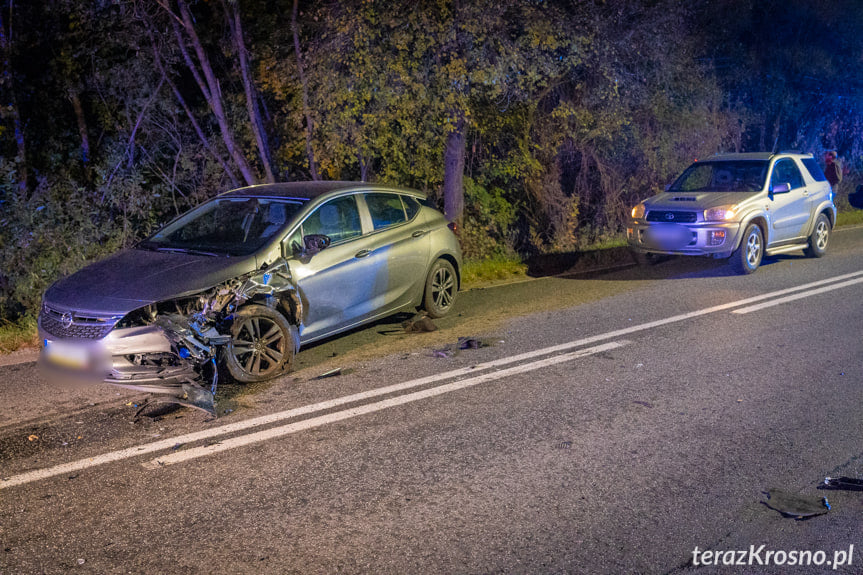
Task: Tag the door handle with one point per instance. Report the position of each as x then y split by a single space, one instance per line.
362 253
418 234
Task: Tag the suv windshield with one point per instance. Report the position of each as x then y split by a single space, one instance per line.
226 226
722 176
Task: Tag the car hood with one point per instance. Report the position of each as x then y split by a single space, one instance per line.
696 201
133 278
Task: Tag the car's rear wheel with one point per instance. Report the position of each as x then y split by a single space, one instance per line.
747 257
262 344
820 237
441 289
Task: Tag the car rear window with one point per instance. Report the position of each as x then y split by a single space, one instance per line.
385 209
814 170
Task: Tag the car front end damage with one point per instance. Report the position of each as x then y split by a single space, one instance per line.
171 347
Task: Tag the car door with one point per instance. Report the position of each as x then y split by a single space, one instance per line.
336 284
398 246
789 210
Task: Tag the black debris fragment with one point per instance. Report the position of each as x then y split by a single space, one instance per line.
843 483
334 373
419 323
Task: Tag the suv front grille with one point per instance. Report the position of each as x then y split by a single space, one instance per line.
672 217
72 325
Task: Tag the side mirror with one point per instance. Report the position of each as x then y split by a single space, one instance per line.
783 188
316 242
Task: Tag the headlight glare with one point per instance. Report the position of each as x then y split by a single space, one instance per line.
721 213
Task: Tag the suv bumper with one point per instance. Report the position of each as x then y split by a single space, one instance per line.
712 239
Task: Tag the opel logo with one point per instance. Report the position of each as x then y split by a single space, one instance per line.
66 320
669 216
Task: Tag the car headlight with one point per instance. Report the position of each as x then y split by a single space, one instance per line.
721 213
638 211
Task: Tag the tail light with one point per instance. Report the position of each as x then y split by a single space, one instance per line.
453 226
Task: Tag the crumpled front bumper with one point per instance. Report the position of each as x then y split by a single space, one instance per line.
117 359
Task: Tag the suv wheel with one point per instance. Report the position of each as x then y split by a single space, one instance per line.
747 257
819 238
441 289
262 344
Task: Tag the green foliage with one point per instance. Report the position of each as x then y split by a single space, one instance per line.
572 112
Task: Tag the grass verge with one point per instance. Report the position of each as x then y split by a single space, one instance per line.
18 334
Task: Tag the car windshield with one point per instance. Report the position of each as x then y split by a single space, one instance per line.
225 227
722 176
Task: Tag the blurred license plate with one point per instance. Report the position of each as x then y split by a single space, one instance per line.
668 237
67 354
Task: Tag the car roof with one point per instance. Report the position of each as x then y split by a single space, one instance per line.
763 156
312 190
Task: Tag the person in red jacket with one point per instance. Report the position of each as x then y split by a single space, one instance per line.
833 171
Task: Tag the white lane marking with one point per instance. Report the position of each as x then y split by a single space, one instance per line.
273 432
81 464
797 296
160 445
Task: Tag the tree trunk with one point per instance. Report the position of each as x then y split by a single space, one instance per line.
295 28
233 13
75 98
209 87
7 80
453 177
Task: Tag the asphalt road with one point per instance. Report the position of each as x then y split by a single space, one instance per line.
635 417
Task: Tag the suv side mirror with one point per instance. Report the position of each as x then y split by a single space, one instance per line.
783 188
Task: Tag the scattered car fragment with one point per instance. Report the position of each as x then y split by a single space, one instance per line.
794 505
239 283
740 207
844 483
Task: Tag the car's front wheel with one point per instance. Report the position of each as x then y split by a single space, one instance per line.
441 289
820 238
262 344
746 258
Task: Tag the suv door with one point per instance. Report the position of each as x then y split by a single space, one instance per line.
790 210
335 284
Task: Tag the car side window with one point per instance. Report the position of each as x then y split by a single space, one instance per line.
339 219
386 210
412 206
785 171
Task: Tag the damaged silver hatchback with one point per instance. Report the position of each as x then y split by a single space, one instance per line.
239 283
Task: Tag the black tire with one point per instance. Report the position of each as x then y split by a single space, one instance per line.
262 344
747 257
819 239
441 289
643 258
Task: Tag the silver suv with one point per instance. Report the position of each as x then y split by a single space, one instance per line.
738 206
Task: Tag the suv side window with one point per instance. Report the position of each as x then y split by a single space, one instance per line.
814 170
339 219
785 171
386 210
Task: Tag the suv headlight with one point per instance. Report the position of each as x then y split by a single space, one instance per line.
721 213
638 211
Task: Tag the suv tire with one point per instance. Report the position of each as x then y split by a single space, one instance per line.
819 239
747 257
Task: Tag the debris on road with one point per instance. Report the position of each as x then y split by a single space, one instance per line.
419 323
33 438
464 343
334 373
795 505
844 483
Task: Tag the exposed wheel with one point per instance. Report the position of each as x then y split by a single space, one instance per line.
441 289
747 257
820 237
262 344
